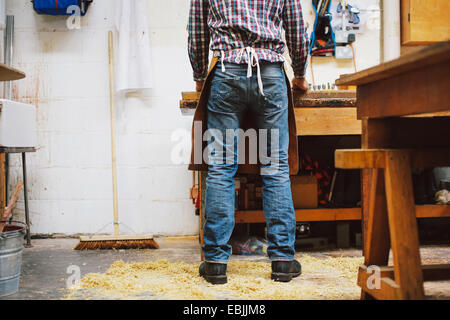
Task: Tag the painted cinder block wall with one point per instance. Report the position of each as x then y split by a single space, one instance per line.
70 185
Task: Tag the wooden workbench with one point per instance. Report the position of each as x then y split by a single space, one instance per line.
404 106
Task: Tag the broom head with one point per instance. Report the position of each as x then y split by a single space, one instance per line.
116 242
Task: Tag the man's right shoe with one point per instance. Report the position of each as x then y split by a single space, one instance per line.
214 273
284 271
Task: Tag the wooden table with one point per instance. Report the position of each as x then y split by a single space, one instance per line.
404 106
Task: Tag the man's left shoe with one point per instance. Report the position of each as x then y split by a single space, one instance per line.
215 273
284 271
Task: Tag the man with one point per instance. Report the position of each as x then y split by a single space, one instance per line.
246 36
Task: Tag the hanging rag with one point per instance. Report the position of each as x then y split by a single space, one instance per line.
134 69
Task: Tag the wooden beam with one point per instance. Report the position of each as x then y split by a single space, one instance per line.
388 289
376 250
377 158
431 272
337 214
432 55
419 91
326 214
327 121
403 225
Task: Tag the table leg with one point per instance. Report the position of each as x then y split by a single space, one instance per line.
25 197
377 243
403 226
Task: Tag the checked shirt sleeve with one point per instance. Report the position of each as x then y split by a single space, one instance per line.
296 37
198 38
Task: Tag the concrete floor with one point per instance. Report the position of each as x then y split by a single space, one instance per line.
45 265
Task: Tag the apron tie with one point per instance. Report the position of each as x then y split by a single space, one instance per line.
253 61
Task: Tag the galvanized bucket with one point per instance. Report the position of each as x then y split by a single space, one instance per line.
11 246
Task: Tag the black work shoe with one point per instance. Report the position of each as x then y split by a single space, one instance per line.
284 271
214 273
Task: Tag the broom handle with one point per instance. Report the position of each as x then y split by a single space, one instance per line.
113 131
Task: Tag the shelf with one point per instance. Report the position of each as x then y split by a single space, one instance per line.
337 214
8 73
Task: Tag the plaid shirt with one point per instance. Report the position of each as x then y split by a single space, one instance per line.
228 25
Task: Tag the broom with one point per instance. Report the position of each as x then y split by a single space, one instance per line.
116 241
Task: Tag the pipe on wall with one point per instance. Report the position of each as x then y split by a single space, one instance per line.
391 42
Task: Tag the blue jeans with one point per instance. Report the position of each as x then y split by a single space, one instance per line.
231 95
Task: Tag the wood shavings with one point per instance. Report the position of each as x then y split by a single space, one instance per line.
328 278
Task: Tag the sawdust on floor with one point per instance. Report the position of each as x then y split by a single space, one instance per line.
328 278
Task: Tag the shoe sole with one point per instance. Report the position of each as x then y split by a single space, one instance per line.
284 277
215 279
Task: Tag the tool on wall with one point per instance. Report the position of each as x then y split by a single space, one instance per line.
116 241
322 37
347 18
60 7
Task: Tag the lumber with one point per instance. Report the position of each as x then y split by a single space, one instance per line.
431 55
378 158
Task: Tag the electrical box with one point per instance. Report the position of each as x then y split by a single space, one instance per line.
17 124
425 22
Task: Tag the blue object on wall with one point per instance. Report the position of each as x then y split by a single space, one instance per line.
59 7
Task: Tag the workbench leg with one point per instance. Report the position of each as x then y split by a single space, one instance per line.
25 199
377 242
403 226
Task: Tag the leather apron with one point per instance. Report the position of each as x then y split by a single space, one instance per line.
245 168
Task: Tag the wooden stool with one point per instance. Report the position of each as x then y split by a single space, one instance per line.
392 221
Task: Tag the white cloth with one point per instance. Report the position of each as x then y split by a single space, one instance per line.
133 63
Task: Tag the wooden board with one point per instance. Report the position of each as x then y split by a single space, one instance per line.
8 73
340 214
320 99
327 121
419 91
431 55
325 98
425 22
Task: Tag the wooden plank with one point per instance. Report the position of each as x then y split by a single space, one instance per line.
377 158
433 211
388 289
418 91
432 55
375 226
8 73
325 98
322 214
403 225
337 214
425 22
378 242
431 272
319 99
327 121
360 159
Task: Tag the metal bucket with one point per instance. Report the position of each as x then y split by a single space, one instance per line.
11 246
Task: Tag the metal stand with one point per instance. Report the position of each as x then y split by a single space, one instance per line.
25 199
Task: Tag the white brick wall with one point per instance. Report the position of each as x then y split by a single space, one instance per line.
67 79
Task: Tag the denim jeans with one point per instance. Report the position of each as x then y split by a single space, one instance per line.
232 94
